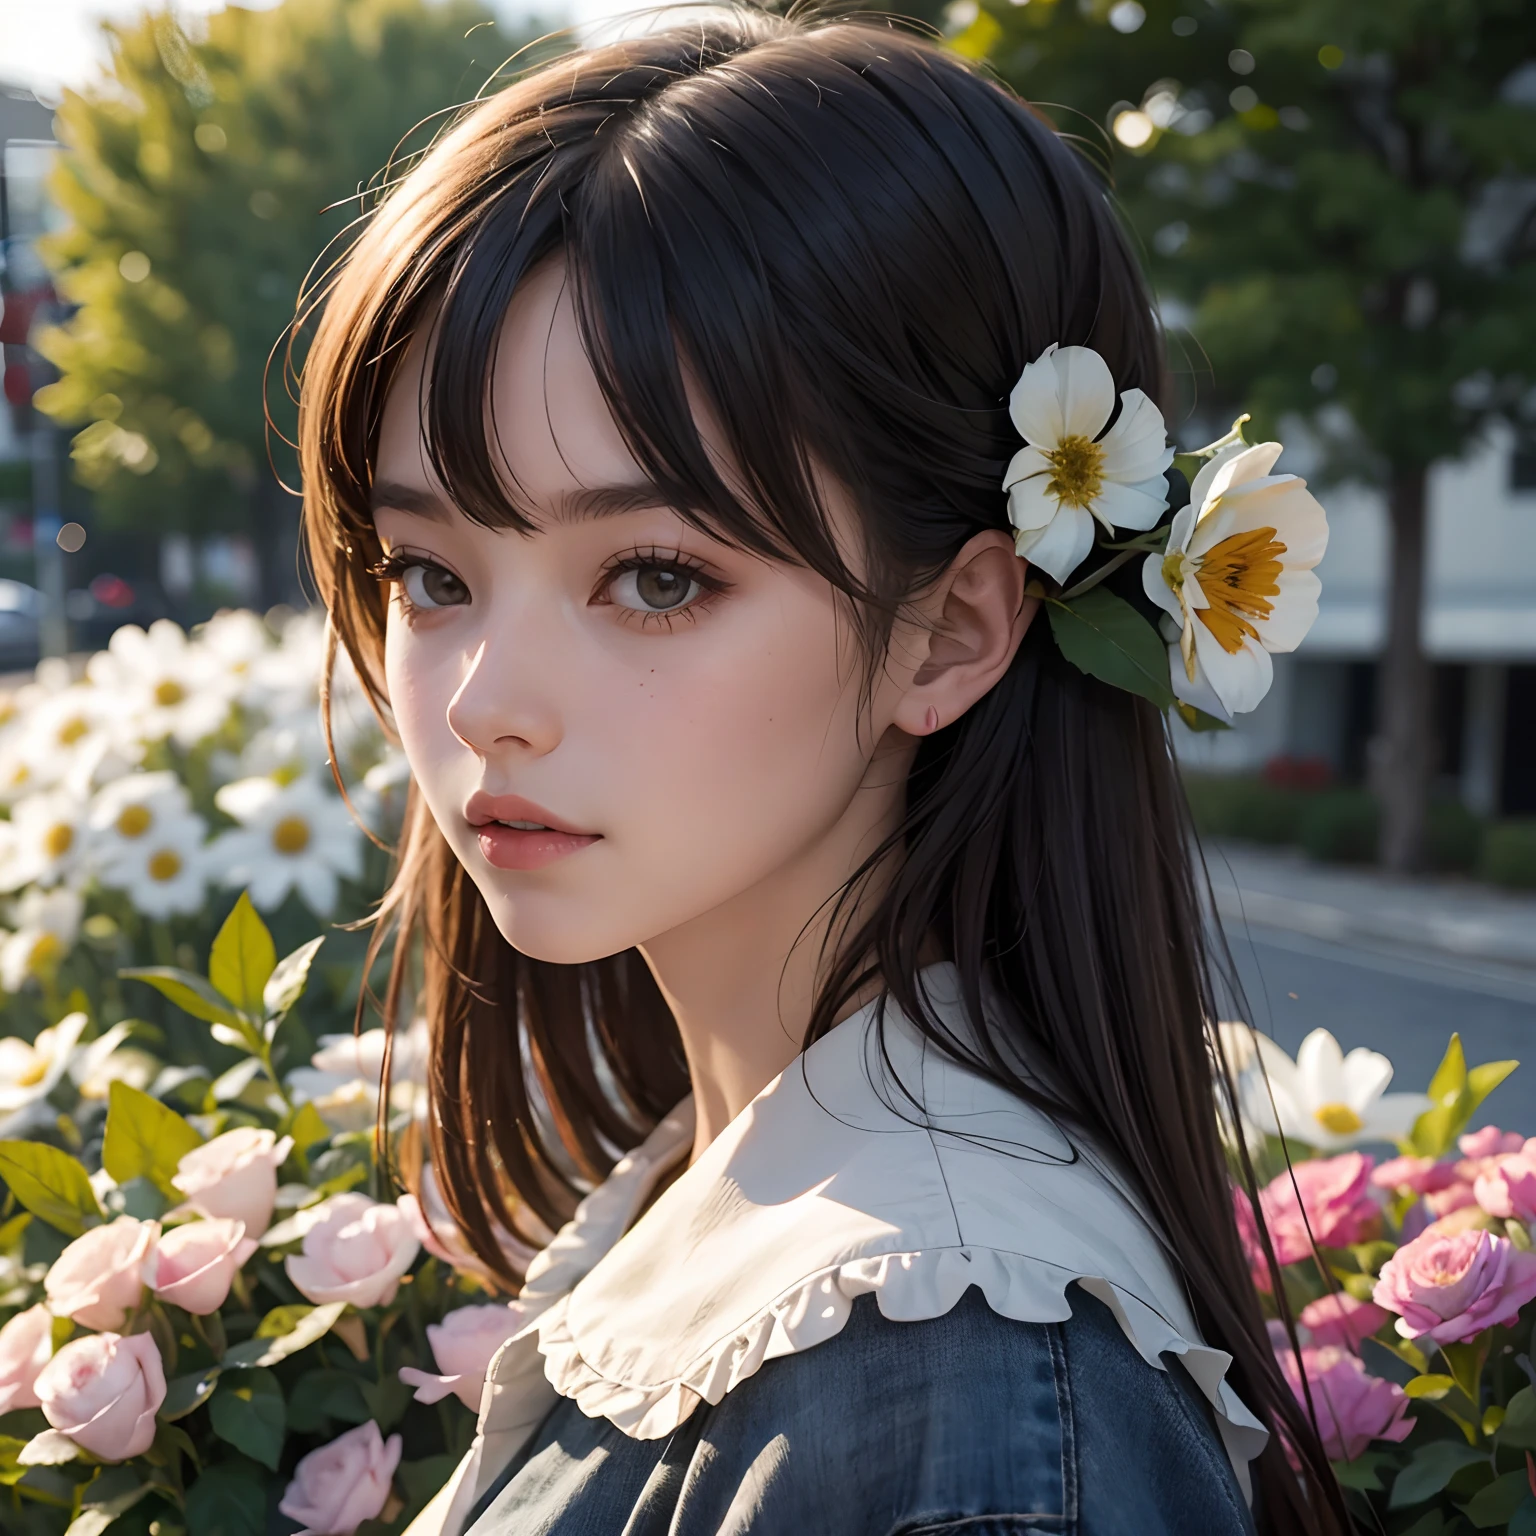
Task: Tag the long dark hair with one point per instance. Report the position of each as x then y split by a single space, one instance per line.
853 243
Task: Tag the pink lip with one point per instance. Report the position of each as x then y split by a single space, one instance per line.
507 847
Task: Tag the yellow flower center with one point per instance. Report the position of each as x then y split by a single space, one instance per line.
58 839
46 953
135 820
72 730
1077 470
1239 576
19 775
291 835
168 691
35 1070
1338 1119
164 865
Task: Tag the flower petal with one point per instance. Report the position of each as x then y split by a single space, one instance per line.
1196 691
1060 547
1026 462
1035 403
1136 448
1232 466
1391 1117
1030 505
1239 678
1294 611
1086 389
1366 1074
1157 588
1320 1066
1137 507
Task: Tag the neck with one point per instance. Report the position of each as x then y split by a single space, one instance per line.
742 979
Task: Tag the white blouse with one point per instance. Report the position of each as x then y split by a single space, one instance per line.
858 1169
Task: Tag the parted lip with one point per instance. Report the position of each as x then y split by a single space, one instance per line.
483 809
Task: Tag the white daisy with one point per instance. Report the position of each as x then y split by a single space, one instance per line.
294 836
165 870
163 685
29 1072
47 925
1324 1098
46 841
1068 475
1237 579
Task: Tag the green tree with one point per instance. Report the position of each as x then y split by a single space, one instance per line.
1339 194
201 181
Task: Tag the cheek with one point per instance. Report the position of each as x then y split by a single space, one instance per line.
416 675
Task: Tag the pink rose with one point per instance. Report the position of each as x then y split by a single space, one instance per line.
1342 1320
356 1251
1507 1187
344 1483
1489 1142
1352 1408
1331 1196
1420 1174
462 1345
193 1265
25 1345
99 1279
438 1233
1248 1236
103 1392
235 1176
1452 1285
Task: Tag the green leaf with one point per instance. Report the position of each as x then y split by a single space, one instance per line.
1430 1386
188 1392
1197 719
1363 1473
145 1139
247 1412
1451 1075
243 957
1102 635
1519 1426
1482 1080
227 1500
307 1325
325 1394
1430 1470
114 1492
286 984
307 1128
1495 1504
190 993
1466 1366
1523 1521
51 1184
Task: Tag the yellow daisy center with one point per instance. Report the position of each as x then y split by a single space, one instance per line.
72 730
1338 1119
58 839
168 692
165 865
134 820
1077 470
1239 576
46 953
291 835
35 1070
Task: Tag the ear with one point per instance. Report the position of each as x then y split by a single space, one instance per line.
976 615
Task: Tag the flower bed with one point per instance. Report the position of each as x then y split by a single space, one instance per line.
219 1322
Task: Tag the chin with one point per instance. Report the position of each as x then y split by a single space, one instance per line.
559 932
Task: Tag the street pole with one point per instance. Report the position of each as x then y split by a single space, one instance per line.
53 633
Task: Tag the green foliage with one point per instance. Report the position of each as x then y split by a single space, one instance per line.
145 1139
1508 855
248 1412
51 1184
1455 1092
289 1329
1103 635
242 958
1339 826
200 184
1320 183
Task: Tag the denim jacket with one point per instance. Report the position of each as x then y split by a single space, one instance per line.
885 1261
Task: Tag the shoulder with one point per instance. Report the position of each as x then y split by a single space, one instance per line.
973 1422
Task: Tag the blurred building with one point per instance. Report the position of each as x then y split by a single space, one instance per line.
1479 627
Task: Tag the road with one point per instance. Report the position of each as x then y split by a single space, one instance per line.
1402 1005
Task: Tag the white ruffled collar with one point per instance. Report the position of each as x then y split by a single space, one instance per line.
830 1184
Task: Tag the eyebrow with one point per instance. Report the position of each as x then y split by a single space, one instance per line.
569 506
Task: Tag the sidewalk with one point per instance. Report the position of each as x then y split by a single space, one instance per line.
1280 888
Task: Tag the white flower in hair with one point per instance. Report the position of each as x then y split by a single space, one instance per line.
1237 579
1068 475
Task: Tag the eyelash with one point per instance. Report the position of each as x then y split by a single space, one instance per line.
395 565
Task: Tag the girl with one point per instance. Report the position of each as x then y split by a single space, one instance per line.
773 874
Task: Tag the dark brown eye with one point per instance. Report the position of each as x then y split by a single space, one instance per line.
433 586
655 589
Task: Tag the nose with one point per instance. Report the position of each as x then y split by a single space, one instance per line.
494 712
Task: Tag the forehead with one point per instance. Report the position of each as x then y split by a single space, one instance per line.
549 427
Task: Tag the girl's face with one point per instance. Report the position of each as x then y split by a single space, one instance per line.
619 724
